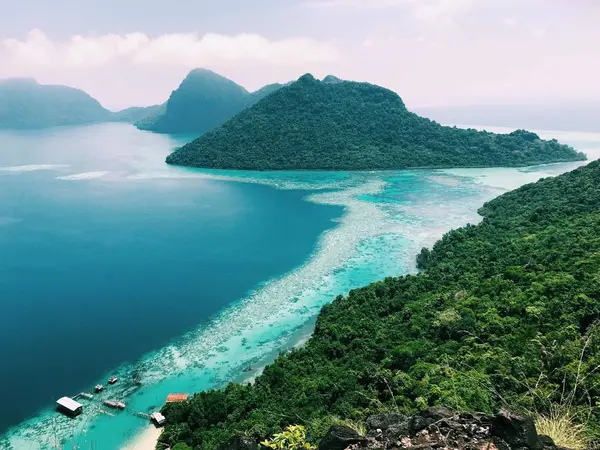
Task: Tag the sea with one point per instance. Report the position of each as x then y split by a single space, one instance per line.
179 280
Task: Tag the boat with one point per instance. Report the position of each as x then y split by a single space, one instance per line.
98 388
114 404
113 380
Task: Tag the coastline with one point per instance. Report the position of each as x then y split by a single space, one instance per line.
146 440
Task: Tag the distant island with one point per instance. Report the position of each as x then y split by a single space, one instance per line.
345 125
203 101
26 104
138 113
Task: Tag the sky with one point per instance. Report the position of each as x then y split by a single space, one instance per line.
431 52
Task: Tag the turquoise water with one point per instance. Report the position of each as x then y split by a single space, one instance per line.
194 274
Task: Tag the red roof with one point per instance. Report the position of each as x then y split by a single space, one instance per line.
173 398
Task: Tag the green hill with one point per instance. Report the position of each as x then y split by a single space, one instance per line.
25 104
505 313
138 113
344 125
203 101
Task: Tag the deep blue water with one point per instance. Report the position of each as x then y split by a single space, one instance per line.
98 272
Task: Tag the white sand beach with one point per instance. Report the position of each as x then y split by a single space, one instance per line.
146 440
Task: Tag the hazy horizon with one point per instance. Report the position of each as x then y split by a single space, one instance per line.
431 52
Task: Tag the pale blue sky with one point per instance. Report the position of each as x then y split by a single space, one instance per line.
431 52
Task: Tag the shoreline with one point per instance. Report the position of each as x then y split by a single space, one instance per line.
145 440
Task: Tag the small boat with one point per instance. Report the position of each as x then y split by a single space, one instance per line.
112 380
114 404
98 388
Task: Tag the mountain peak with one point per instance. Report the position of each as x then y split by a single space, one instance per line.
332 79
307 78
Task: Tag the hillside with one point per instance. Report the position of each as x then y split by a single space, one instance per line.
203 101
26 104
343 125
505 313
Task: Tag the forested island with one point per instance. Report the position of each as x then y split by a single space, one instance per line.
203 101
504 314
344 125
26 104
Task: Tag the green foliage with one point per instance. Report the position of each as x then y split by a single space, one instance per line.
204 100
343 125
292 438
25 104
181 446
505 313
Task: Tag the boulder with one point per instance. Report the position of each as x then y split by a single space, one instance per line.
438 413
339 437
512 431
384 421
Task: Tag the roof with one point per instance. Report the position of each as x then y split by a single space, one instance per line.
158 417
172 398
69 403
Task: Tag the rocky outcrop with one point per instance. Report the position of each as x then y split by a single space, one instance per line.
341 437
441 428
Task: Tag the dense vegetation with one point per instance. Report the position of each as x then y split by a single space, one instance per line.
343 125
203 101
505 312
25 104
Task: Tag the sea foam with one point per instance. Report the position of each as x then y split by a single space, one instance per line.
32 167
83 176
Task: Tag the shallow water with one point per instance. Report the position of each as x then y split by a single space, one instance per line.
280 244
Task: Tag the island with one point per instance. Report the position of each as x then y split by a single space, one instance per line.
203 101
505 314
26 104
345 125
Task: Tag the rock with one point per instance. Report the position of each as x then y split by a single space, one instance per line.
438 413
546 443
384 421
340 437
241 443
511 431
419 423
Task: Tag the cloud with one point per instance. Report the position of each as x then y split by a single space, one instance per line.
510 22
359 5
539 33
430 12
180 49
441 12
